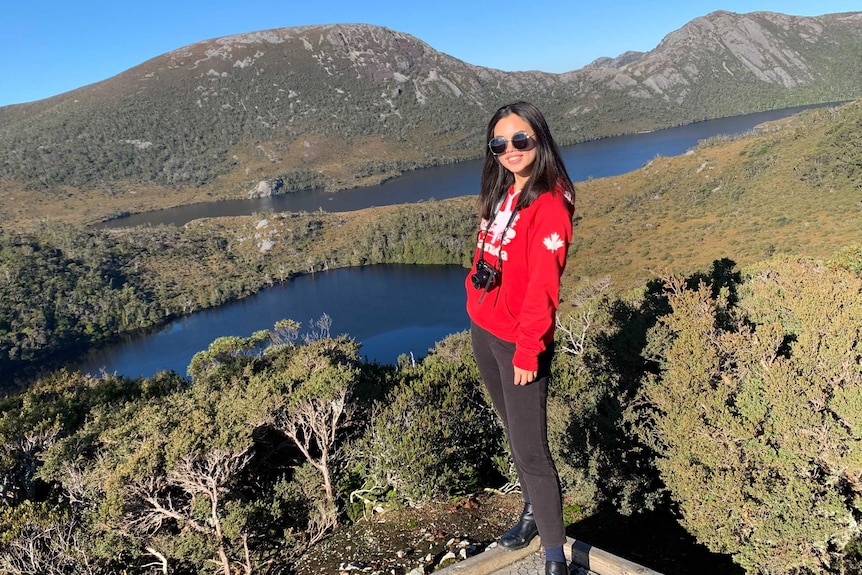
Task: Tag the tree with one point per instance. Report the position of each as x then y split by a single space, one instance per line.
40 540
315 384
201 483
757 413
435 433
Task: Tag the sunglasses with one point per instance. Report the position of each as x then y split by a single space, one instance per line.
520 141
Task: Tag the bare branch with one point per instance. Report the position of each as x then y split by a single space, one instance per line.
163 561
576 327
52 551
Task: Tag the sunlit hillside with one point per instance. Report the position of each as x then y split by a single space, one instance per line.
794 186
347 105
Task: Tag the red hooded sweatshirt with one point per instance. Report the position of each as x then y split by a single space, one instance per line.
531 254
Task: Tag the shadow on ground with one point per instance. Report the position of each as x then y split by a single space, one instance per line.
654 540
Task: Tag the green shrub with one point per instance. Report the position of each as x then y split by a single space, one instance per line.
436 434
596 374
757 414
848 258
232 467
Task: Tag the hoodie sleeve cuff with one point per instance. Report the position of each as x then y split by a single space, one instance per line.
525 361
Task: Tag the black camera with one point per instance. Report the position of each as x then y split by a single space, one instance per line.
485 277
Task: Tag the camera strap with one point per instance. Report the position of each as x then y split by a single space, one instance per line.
502 234
499 265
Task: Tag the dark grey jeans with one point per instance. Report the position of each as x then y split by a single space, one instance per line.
523 410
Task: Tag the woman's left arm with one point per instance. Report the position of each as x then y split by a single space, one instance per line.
548 239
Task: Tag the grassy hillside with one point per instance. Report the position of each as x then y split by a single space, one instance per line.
792 187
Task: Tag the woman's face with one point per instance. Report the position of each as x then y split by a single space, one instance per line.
519 162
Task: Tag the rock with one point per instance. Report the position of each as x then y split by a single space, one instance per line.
447 560
265 188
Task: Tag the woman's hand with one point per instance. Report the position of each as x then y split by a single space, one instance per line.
523 377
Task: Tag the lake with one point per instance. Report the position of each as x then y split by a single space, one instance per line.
594 159
390 309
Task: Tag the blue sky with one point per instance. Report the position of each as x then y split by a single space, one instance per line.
48 47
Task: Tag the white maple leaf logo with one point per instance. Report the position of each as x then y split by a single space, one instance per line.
553 242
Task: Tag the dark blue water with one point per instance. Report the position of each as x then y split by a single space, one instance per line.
390 309
596 159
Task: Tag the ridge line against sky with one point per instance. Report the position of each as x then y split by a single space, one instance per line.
49 47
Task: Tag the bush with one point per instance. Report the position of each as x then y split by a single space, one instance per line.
848 258
231 468
757 414
596 374
436 434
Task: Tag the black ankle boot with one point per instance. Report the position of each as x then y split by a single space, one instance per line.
522 533
556 568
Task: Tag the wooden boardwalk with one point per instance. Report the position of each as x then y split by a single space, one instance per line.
583 559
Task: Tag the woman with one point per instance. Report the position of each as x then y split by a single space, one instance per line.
526 205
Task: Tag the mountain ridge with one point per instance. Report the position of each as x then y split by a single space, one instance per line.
344 105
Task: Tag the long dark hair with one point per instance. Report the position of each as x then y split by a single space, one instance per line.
548 172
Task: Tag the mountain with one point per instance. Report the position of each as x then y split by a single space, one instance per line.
346 105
